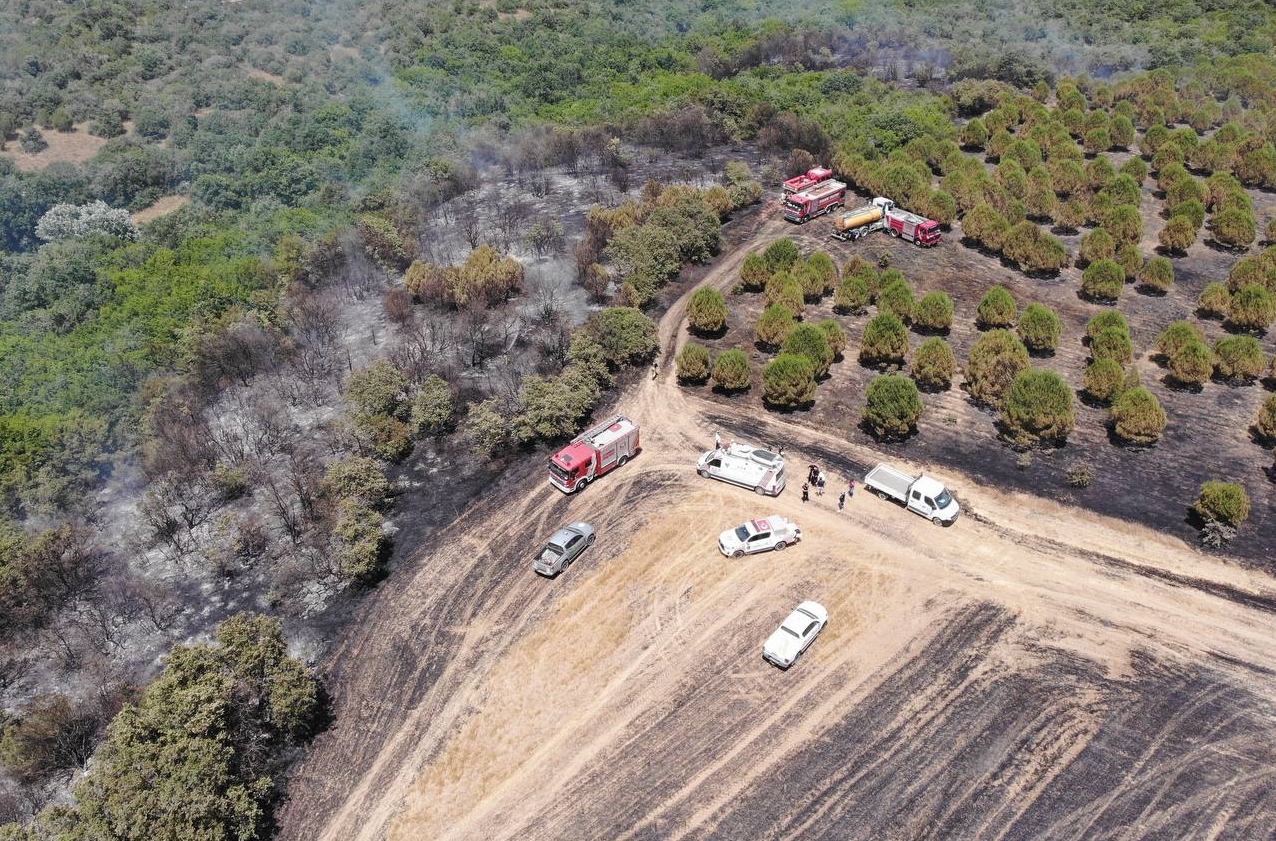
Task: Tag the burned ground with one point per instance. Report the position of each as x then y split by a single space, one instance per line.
1034 671
1209 432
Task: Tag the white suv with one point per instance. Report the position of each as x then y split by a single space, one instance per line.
758 535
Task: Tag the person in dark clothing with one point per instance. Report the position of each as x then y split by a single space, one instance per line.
812 473
841 501
806 492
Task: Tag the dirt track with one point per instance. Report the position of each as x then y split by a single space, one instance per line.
1033 672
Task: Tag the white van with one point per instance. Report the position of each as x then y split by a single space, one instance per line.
749 467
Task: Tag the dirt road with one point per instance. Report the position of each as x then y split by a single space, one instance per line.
1033 672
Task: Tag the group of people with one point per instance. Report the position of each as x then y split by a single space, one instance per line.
815 478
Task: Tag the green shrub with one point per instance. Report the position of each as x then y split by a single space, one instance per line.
809 341
1103 280
995 360
433 411
626 336
774 325
1252 308
893 406
1178 234
1215 301
1192 210
781 255
934 312
885 340
363 548
834 335
707 310
1102 321
859 267
1137 417
853 297
1112 343
820 267
1130 259
1239 358
1104 380
996 309
693 363
1033 250
1253 269
1234 227
1192 364
1039 328
1157 275
731 371
985 226
1175 336
934 364
1039 406
359 478
783 290
378 389
1223 502
754 272
788 381
1097 245
1266 423
1125 223
897 297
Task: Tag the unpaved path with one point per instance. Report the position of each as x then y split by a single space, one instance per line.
1033 672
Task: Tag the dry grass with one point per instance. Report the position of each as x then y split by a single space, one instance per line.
162 206
76 146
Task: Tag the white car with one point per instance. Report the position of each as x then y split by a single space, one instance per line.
795 634
759 535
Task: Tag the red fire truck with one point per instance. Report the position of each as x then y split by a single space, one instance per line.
807 180
822 198
592 453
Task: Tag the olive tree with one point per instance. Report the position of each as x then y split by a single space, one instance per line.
934 364
995 360
731 371
996 309
885 340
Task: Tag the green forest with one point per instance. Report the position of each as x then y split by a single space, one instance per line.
306 143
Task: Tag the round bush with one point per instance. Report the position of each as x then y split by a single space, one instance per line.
788 381
834 335
1215 301
1250 270
774 325
1239 358
693 363
1033 249
995 360
809 341
1178 334
1192 364
1112 343
754 273
1104 379
781 255
853 296
707 310
1039 406
893 406
1157 275
1178 234
1125 223
1103 280
1130 259
1223 502
934 312
820 265
1102 321
1252 308
996 309
1097 245
731 370
1266 423
897 297
1137 417
1192 210
783 290
885 340
1234 227
934 364
1039 328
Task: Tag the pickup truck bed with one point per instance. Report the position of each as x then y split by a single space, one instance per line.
883 477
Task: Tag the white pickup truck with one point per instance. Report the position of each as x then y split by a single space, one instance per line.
919 494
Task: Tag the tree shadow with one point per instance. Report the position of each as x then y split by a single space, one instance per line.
867 428
708 335
1181 387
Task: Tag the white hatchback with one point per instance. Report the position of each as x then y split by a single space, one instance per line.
762 534
795 634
